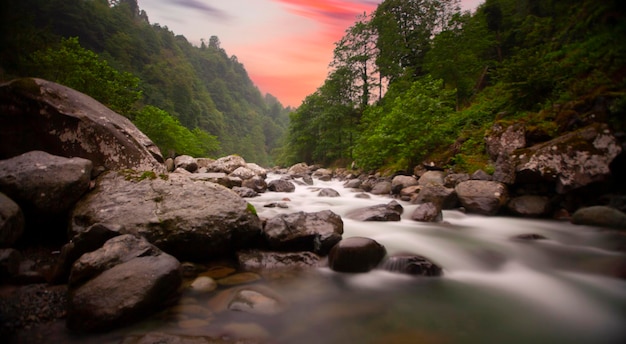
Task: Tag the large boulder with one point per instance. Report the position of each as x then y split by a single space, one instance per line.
189 219
381 188
227 164
124 281
571 161
41 115
502 140
186 162
45 186
11 221
482 197
600 215
256 183
281 185
300 231
381 212
299 169
427 212
356 254
400 182
443 197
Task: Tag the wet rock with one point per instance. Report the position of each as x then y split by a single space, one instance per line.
482 197
193 323
401 182
36 114
328 192
362 195
255 183
382 212
308 180
299 169
245 192
192 220
268 260
186 162
203 284
441 196
136 277
256 302
356 254
276 205
411 264
602 216
316 232
240 278
529 237
44 185
427 212
11 221
352 184
529 205
281 185
323 174
381 188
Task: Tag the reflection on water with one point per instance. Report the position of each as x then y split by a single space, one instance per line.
495 289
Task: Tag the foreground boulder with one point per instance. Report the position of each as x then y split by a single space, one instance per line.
356 254
602 216
482 197
124 281
192 220
381 212
36 114
316 232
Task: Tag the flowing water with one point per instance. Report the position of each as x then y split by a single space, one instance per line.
495 289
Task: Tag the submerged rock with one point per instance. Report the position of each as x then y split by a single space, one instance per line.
356 254
382 212
411 264
602 216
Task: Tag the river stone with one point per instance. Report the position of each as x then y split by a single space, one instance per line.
186 162
192 220
352 184
401 182
381 188
124 281
328 192
243 172
381 212
480 175
170 166
356 254
529 205
316 232
573 160
227 164
256 302
11 221
299 169
45 184
482 197
453 179
443 197
269 260
427 212
411 264
203 284
36 114
256 183
239 278
245 192
281 185
600 215
431 177
258 170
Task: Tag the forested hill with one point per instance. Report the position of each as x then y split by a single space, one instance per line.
188 99
419 81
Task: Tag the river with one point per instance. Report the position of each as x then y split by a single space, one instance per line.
495 288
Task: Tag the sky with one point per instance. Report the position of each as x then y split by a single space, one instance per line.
284 45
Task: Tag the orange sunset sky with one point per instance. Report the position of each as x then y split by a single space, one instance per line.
285 45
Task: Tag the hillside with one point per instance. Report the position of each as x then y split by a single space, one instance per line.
200 95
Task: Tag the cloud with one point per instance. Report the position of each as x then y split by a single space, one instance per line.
207 9
329 11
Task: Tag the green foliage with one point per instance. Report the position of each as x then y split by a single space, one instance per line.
171 137
251 209
74 66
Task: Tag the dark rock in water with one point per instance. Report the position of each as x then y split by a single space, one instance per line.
307 179
352 184
120 283
602 216
255 183
530 237
257 302
363 195
276 205
356 254
381 188
529 205
382 212
36 114
482 197
443 197
300 231
328 192
281 185
427 212
245 192
266 260
412 265
11 221
192 220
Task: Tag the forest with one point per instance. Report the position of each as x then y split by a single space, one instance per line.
188 99
420 81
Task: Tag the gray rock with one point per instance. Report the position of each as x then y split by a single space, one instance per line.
427 212
381 188
130 279
480 175
41 115
170 166
328 192
258 170
256 183
381 212
572 161
245 192
227 164
186 162
307 179
411 264
256 260
451 180
281 185
300 231
243 173
356 254
482 197
529 205
192 220
401 182
502 140
11 221
323 174
352 184
44 184
441 196
602 216
431 177
299 169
